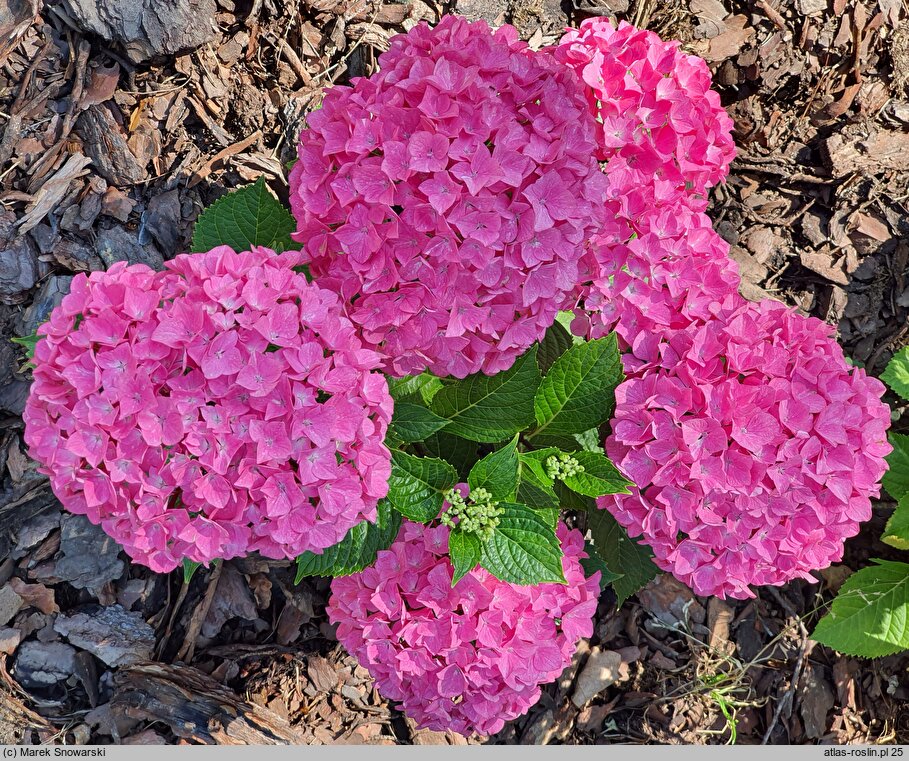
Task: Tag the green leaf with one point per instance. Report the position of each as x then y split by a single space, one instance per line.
896 479
593 563
896 534
29 342
417 485
248 217
189 568
497 472
491 408
600 476
413 422
524 548
571 500
563 443
536 461
897 373
535 487
590 441
621 554
577 393
565 319
554 344
415 388
465 551
870 615
356 550
460 453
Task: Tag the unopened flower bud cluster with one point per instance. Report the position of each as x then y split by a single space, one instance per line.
562 466
477 514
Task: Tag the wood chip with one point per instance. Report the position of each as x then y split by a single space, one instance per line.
53 191
600 671
822 263
881 151
710 15
35 595
815 701
231 150
102 85
719 617
321 673
873 227
730 42
106 144
196 707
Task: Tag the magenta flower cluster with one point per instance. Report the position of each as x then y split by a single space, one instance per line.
449 197
660 123
468 657
754 447
657 264
448 207
674 272
222 407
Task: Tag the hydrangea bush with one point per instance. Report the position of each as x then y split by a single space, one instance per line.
448 198
448 208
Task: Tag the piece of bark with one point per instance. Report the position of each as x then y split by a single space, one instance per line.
102 85
731 41
112 634
147 29
90 558
53 191
43 664
16 16
107 147
48 298
881 151
18 265
491 11
600 671
816 701
117 244
196 707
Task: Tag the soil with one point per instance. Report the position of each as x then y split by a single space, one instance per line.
109 151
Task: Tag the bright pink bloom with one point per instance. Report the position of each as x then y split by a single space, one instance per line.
449 197
468 657
222 407
754 447
659 119
658 265
659 271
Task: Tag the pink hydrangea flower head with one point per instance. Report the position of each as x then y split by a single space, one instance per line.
658 117
221 407
754 448
468 657
654 271
448 198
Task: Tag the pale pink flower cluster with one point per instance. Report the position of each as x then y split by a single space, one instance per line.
468 657
448 198
221 407
754 448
